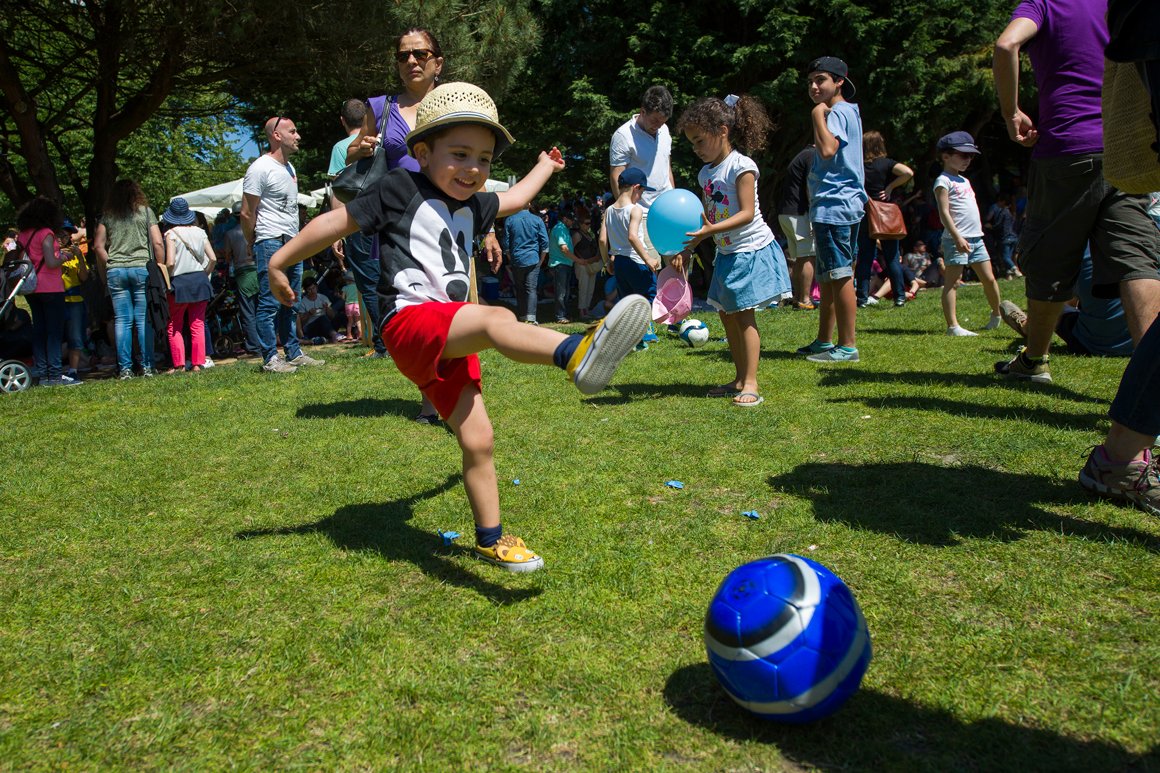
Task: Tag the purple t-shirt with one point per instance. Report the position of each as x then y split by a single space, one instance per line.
1068 56
395 137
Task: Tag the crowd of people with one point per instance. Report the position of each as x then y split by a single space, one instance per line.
400 263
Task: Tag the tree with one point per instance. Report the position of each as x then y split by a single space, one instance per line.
79 78
922 67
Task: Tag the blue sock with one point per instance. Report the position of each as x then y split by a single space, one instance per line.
565 349
486 537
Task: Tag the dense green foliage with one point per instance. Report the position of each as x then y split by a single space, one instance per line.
95 90
922 68
136 87
233 570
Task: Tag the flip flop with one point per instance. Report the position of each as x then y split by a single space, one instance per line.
725 390
751 403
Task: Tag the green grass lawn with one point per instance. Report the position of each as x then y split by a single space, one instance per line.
234 569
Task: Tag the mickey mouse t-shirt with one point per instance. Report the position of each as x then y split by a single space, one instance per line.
425 238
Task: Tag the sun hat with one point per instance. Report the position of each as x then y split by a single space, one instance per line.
633 176
674 299
836 67
455 104
960 141
178 212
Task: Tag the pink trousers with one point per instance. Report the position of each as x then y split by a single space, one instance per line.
177 313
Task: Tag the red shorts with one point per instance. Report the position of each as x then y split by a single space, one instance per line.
415 337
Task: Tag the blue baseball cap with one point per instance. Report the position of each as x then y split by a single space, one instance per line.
633 176
960 141
67 225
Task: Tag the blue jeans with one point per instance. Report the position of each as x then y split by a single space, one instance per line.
835 247
1006 250
527 279
365 267
48 317
887 258
1137 401
562 279
274 321
247 310
75 319
127 289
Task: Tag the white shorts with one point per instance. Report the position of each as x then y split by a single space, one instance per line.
800 235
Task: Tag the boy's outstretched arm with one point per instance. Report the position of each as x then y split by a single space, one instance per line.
521 194
318 234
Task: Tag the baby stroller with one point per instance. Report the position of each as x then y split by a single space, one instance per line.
14 374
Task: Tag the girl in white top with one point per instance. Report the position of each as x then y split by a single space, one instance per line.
750 270
190 259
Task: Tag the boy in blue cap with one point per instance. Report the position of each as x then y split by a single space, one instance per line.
837 189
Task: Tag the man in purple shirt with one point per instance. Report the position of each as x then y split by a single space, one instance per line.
1070 203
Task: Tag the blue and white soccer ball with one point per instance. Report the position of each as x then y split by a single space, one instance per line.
694 332
786 639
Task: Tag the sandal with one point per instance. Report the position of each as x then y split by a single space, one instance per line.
725 390
756 401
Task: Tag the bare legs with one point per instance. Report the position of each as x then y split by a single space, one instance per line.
838 307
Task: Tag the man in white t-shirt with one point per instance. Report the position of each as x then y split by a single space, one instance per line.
269 219
643 142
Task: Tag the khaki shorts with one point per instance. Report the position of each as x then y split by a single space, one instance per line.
799 232
648 245
1070 204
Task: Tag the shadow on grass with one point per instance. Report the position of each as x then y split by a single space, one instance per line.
874 731
933 505
363 408
1091 422
627 393
840 377
382 528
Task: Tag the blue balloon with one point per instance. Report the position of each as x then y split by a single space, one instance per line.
671 217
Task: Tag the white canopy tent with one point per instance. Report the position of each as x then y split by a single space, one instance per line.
209 201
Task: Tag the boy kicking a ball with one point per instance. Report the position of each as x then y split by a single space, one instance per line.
427 223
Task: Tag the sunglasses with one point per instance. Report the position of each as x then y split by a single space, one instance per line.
422 55
277 120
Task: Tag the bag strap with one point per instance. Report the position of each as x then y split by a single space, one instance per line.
200 258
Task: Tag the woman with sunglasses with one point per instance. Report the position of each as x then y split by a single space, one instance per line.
420 63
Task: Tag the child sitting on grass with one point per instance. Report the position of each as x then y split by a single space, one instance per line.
426 222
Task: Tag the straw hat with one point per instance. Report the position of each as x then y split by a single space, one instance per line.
1130 163
453 104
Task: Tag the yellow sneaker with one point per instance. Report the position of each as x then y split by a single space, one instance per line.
512 554
607 342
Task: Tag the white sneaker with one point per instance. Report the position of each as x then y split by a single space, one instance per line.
959 331
608 342
208 363
278 365
305 360
993 322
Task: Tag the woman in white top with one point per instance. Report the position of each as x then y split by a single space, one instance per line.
190 260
